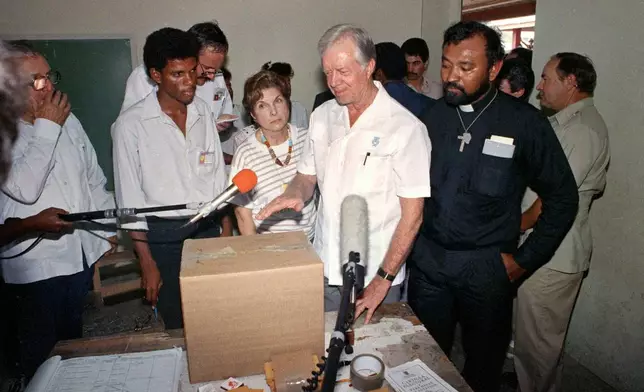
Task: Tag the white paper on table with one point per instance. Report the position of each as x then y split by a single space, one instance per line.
155 371
415 376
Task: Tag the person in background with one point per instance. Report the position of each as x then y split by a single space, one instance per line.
390 71
167 151
417 58
322 97
211 86
524 54
53 163
362 143
545 301
299 116
233 136
516 78
488 147
273 152
13 100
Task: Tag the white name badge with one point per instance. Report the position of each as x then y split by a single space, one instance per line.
497 149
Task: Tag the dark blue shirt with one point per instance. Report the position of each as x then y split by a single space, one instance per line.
410 99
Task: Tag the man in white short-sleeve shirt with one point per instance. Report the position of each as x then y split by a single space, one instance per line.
363 143
211 86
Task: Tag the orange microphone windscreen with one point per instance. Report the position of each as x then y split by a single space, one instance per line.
245 180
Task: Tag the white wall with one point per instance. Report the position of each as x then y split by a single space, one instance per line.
258 30
607 331
438 15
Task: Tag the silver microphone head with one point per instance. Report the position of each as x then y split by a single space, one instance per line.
354 228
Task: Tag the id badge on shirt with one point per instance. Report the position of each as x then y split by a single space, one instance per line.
220 94
206 158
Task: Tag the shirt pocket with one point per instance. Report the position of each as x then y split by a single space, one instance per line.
493 173
204 160
374 172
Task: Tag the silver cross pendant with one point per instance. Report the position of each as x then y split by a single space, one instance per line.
465 138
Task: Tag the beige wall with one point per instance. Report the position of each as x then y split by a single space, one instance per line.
258 30
607 331
438 15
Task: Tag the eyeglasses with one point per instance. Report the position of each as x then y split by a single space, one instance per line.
40 82
207 73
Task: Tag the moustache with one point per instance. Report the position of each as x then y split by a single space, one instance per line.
448 85
539 96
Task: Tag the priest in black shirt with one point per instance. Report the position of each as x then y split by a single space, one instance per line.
486 148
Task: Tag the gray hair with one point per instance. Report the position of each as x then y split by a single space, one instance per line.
365 49
12 103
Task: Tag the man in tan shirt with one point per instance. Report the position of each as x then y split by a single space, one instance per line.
546 299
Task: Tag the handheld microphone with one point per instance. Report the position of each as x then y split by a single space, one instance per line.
354 237
243 182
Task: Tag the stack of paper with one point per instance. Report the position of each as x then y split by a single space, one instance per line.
415 376
155 371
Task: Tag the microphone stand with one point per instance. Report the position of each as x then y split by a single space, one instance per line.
123 212
352 285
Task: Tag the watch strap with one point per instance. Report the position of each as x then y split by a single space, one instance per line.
385 275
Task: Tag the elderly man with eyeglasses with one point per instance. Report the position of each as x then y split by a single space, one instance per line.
53 163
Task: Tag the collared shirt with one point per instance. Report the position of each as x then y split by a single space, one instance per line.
408 97
428 88
156 165
214 92
385 155
582 132
272 180
53 166
299 116
476 193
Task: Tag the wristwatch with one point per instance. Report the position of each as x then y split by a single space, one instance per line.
385 275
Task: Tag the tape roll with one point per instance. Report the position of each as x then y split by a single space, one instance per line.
367 372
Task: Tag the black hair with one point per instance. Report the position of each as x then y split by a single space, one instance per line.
390 58
579 65
282 69
462 31
416 47
226 73
210 35
168 44
519 76
524 54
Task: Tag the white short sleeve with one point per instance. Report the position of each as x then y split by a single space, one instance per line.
411 162
237 165
306 165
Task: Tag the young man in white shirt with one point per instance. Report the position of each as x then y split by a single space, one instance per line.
167 151
53 163
211 86
363 143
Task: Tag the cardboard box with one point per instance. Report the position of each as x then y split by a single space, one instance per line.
247 298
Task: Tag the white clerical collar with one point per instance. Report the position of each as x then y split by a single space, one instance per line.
466 108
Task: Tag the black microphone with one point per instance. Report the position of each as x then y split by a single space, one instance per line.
122 212
354 231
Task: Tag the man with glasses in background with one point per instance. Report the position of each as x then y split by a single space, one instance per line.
211 86
53 163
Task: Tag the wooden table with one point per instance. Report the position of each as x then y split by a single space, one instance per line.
394 332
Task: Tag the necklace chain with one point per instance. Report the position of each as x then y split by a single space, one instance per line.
278 162
466 129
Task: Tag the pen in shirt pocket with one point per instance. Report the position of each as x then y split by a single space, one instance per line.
365 158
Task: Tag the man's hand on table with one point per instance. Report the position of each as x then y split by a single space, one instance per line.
280 203
372 297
